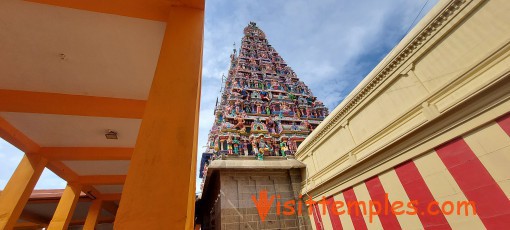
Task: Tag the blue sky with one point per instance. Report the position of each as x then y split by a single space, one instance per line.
330 44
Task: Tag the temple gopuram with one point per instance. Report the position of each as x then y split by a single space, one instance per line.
265 109
264 114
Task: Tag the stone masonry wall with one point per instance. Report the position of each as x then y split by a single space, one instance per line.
238 211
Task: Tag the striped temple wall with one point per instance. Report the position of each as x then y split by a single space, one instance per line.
430 123
471 167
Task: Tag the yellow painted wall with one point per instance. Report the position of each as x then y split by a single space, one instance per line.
449 78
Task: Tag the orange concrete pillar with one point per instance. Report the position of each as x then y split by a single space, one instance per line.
65 208
17 191
159 191
93 215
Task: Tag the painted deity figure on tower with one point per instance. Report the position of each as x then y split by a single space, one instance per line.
229 145
236 146
240 122
265 109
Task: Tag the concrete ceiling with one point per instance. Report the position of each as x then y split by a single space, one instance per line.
62 50
50 130
109 188
87 168
73 51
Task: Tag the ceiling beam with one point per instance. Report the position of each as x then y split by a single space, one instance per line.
152 10
102 179
28 225
62 171
25 144
100 220
69 175
33 217
16 138
110 196
67 104
48 201
156 10
86 153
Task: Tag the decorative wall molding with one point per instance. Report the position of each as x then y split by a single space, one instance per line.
433 27
487 61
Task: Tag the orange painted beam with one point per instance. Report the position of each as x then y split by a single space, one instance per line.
86 153
48 201
145 9
66 104
28 225
64 172
168 137
102 179
33 217
100 220
19 188
156 10
111 196
16 138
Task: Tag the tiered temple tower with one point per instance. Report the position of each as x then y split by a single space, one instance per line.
265 110
263 115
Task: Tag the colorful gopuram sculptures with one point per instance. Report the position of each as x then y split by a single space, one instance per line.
265 109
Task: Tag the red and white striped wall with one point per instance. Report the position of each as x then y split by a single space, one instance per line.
474 167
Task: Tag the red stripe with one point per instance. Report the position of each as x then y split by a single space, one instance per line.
333 216
356 217
417 190
317 216
377 193
492 205
504 123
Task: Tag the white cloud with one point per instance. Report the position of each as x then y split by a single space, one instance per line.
330 44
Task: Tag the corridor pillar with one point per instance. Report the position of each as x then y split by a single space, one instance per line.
19 188
65 208
93 214
159 191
